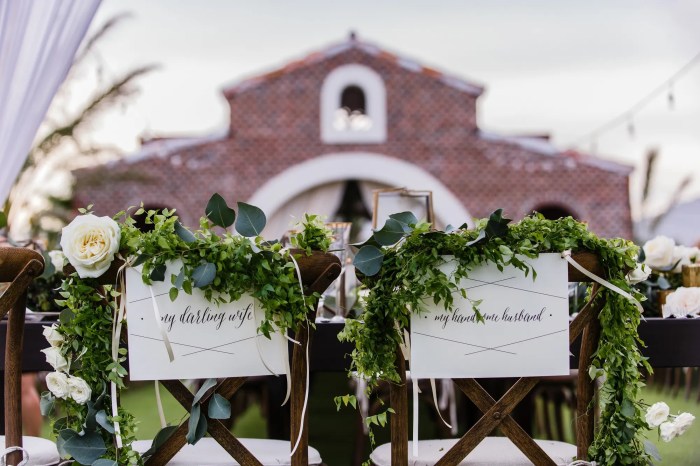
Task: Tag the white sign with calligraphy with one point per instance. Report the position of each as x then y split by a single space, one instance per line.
207 340
525 333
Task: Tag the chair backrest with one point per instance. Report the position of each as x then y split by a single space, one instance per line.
18 267
497 413
317 272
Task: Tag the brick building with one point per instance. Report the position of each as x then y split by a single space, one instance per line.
351 118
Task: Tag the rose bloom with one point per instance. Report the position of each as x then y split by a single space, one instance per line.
53 336
89 243
79 390
668 431
57 260
683 255
657 414
57 383
639 274
682 302
683 422
55 359
659 252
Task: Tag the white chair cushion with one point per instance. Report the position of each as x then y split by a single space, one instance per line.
208 452
41 452
492 451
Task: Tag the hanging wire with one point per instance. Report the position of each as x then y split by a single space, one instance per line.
626 117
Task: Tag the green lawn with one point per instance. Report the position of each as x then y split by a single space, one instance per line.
333 433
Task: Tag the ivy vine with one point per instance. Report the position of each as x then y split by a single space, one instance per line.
223 265
400 263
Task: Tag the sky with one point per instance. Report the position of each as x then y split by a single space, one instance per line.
561 68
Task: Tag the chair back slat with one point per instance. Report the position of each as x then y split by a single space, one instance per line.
18 266
497 413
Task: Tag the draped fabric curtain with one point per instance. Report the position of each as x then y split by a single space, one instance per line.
38 40
322 200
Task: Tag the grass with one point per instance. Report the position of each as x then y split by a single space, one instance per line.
334 433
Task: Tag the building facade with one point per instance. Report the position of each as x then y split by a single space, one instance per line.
355 113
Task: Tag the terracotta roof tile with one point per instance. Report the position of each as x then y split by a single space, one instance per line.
335 49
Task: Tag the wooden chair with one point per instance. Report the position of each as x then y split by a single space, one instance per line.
223 448
18 267
517 447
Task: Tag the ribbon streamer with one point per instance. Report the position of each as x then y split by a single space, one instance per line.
567 256
159 404
415 418
25 455
163 333
116 335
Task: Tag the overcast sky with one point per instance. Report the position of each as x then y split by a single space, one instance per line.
557 67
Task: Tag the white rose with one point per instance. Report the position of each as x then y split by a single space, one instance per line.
680 258
657 414
668 431
55 359
79 390
53 336
57 382
89 243
659 252
639 274
682 302
57 259
683 422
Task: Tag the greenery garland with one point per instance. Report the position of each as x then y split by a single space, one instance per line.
223 265
401 265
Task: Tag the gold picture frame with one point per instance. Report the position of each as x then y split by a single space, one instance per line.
392 201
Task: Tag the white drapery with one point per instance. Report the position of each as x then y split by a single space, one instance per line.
38 40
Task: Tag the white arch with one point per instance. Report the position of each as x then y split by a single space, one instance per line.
362 166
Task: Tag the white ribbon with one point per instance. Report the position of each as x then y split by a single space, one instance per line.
116 335
415 418
306 392
567 256
161 329
159 405
25 455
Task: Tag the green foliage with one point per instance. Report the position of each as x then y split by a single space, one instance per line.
223 266
314 235
408 274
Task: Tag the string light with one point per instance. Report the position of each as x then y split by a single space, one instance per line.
627 116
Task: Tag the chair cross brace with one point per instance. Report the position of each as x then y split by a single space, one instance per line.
215 427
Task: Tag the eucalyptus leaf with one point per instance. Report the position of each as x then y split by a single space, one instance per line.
103 421
105 462
651 450
479 237
219 212
63 436
47 403
203 389
204 275
185 235
407 218
251 220
90 421
368 260
196 425
641 258
497 226
160 438
140 260
49 268
3 219
158 273
219 407
86 448
180 279
391 232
